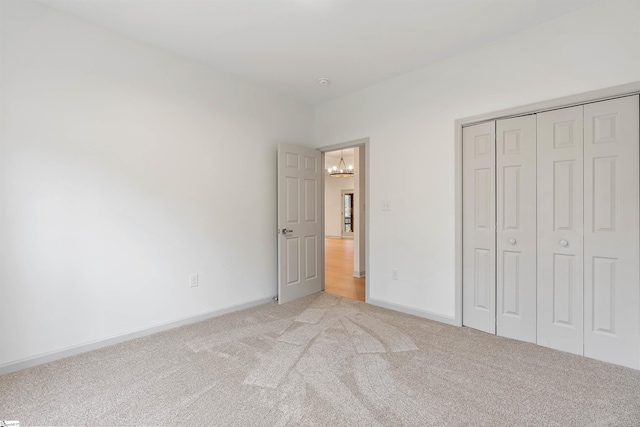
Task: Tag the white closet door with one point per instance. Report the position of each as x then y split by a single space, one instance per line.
560 234
611 235
516 228
478 223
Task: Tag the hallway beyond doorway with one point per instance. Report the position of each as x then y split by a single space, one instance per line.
339 278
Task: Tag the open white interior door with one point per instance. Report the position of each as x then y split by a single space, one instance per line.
299 222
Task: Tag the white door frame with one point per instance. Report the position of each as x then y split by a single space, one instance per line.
567 101
362 142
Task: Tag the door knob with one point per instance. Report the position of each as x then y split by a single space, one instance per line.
284 231
564 243
513 241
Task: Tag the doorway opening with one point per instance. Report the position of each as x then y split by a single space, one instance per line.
347 213
344 224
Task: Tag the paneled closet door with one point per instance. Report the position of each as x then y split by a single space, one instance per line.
516 228
611 235
478 224
560 229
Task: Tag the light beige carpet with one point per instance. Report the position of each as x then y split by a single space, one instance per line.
323 360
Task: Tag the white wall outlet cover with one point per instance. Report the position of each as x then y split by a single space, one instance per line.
386 205
193 280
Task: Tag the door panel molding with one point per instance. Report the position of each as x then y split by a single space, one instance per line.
603 195
479 228
612 231
560 229
299 204
516 228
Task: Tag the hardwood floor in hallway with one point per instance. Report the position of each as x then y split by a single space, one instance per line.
339 278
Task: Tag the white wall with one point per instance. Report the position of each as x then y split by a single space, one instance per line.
410 123
124 169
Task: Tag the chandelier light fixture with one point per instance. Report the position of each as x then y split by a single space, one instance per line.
341 170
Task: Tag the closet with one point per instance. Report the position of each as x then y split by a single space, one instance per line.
551 236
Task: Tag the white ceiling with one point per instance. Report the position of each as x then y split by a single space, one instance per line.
288 44
334 156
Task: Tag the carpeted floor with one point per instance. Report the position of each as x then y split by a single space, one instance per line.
323 360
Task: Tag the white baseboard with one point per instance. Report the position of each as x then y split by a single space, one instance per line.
40 359
359 273
414 311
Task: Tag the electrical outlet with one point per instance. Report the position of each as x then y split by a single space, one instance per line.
193 280
386 205
394 274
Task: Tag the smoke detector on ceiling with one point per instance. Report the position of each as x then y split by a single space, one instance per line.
324 81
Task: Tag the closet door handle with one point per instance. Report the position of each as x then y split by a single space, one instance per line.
564 243
512 241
